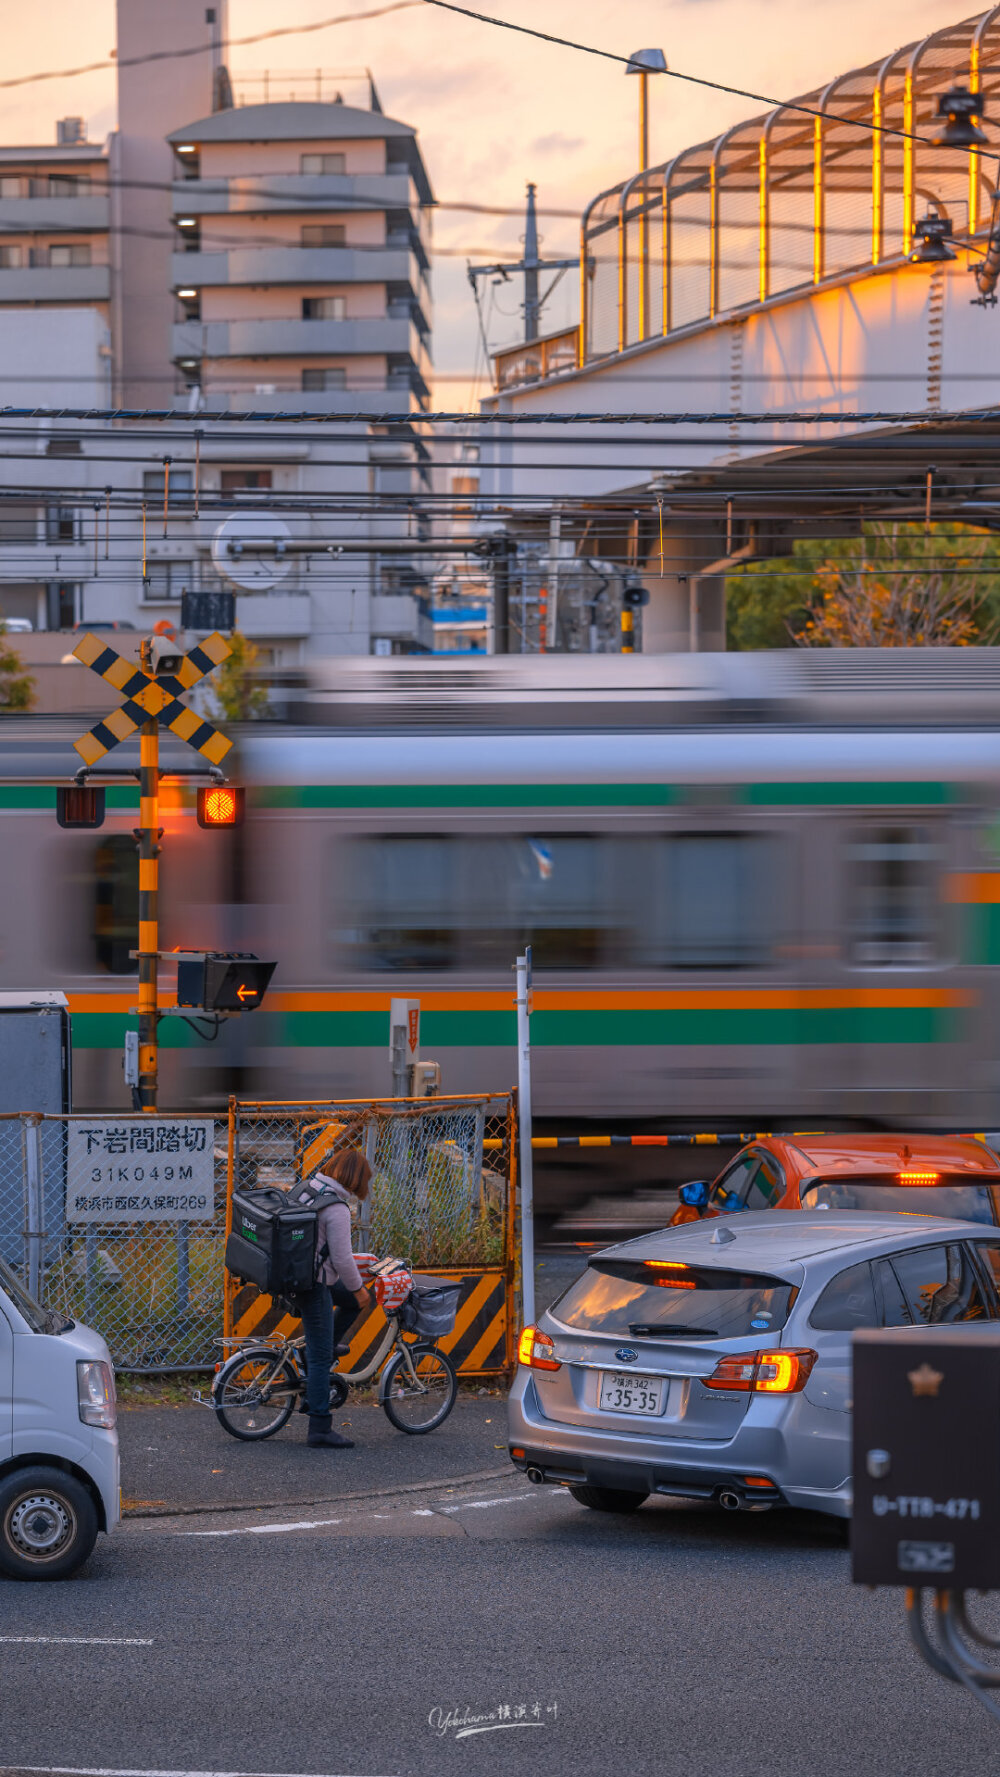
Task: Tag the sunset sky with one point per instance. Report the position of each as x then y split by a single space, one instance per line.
495 109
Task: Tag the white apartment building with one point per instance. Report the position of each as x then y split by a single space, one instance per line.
262 258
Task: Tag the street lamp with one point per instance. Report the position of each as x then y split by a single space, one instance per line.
644 63
933 233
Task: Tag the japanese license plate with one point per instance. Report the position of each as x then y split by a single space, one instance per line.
631 1394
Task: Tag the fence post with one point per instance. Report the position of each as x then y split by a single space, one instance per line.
34 1203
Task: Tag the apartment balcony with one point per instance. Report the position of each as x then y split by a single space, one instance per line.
54 215
296 265
293 191
393 397
55 283
294 338
537 359
274 617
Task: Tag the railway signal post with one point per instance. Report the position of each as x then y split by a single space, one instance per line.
152 693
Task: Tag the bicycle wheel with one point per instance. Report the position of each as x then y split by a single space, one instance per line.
426 1406
251 1398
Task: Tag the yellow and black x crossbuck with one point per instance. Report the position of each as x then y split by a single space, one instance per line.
152 697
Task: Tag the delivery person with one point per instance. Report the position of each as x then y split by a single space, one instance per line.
338 1295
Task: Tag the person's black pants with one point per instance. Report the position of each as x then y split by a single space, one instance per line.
327 1311
345 1310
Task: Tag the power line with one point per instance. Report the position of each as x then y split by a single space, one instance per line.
199 49
692 79
933 418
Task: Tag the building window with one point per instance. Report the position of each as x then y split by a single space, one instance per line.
893 893
720 900
324 234
323 163
324 308
18 522
69 185
180 490
11 257
12 185
245 481
116 903
60 524
327 377
166 580
70 253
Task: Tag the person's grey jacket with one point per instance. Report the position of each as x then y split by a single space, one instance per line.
333 1236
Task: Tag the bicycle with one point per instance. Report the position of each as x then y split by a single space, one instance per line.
255 1390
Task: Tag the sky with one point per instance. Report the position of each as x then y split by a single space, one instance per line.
494 109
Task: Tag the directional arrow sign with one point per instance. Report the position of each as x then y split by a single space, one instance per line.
246 993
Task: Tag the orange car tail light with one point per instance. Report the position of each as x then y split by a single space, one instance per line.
918 1178
763 1372
537 1351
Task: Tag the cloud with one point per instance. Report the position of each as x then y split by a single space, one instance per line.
556 143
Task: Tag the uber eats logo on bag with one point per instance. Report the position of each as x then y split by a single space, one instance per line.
298 1233
249 1231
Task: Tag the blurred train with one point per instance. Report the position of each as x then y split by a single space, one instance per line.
759 889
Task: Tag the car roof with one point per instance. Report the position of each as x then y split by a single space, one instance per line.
892 1154
782 1236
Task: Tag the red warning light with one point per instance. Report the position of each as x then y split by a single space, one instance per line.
221 806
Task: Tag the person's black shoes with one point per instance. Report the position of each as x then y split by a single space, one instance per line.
323 1437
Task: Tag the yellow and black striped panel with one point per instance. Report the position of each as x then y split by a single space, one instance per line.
148 696
477 1347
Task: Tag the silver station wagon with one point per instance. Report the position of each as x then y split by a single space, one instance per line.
713 1361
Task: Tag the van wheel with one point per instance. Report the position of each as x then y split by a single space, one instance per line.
609 1499
48 1524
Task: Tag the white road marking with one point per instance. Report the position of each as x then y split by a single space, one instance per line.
106 1771
257 1530
480 1504
421 1512
75 1641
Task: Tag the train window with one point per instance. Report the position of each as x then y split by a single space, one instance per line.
893 900
721 900
116 903
560 893
405 895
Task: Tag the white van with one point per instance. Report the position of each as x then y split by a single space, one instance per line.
59 1474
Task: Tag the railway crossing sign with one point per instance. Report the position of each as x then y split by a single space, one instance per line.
152 695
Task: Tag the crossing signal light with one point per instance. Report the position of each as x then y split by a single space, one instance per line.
80 805
221 806
223 981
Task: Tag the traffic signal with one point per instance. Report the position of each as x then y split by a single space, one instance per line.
221 806
80 805
223 981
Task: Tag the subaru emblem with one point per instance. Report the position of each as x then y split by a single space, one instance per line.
626 1355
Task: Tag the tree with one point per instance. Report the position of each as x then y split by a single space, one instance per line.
238 692
895 586
17 688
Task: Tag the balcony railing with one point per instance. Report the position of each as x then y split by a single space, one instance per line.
537 358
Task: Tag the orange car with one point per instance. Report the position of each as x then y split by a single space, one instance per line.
944 1175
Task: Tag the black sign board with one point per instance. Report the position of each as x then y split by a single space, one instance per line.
208 610
927 1456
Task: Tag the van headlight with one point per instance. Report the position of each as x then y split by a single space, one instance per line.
95 1388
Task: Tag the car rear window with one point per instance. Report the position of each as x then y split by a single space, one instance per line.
654 1297
951 1195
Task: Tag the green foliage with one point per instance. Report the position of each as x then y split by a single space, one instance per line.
894 586
238 691
17 687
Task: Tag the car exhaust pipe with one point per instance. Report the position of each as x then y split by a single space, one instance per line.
535 1476
730 1500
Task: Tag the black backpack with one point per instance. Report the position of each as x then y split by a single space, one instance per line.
272 1242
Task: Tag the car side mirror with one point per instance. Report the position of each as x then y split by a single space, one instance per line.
695 1195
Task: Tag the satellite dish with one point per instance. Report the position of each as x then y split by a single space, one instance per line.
252 552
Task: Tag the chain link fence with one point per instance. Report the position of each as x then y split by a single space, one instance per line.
120 1221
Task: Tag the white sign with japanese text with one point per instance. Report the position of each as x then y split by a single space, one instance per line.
146 1169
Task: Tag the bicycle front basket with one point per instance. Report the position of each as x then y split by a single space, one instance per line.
432 1306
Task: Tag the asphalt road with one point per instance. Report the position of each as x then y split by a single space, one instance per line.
360 1639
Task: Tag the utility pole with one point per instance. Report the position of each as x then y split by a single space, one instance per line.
532 306
525 1175
148 836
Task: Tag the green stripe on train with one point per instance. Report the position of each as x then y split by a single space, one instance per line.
43 796
106 1030
981 933
597 795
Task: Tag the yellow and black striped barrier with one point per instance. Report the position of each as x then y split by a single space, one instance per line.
481 1343
708 1139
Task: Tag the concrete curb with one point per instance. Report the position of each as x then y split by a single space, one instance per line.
324 1499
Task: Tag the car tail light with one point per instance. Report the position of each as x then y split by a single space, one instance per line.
763 1372
537 1350
918 1178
